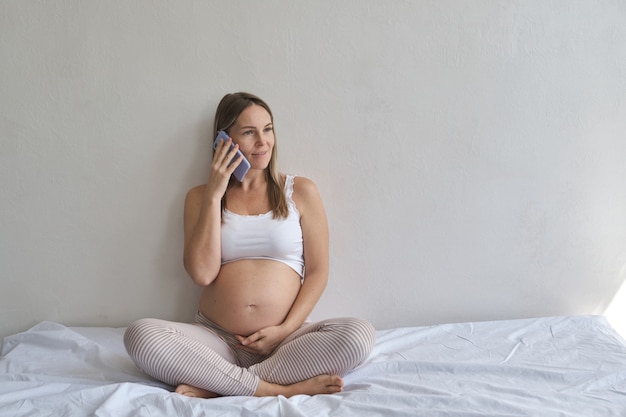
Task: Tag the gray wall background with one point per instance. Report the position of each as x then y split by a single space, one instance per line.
471 154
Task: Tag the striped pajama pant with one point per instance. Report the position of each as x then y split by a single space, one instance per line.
203 355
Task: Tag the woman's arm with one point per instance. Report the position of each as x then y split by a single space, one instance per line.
315 236
202 219
202 250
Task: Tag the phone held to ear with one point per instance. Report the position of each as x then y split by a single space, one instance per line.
244 166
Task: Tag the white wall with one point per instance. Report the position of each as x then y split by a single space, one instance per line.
471 154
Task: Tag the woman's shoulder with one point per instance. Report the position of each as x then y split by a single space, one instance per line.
305 192
300 184
198 189
196 193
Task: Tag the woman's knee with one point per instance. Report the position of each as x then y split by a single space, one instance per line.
149 344
365 334
357 336
139 334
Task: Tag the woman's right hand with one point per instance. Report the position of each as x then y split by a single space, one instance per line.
222 169
202 253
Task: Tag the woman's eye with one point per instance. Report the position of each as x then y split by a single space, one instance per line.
269 129
248 132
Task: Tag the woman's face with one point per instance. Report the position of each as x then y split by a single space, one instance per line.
253 131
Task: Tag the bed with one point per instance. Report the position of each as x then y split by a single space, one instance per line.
555 366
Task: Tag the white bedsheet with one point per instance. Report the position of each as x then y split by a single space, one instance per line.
558 366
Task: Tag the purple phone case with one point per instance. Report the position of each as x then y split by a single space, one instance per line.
244 166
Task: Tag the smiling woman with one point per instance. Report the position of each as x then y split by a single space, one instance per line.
254 133
243 115
247 138
259 247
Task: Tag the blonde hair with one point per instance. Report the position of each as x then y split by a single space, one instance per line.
228 110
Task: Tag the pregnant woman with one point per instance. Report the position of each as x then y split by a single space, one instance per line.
259 249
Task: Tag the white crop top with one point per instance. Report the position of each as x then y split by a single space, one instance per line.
263 237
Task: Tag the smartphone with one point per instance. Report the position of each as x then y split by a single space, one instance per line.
244 166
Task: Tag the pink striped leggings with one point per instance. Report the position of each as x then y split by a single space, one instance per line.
203 355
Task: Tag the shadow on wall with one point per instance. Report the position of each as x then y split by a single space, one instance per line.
616 311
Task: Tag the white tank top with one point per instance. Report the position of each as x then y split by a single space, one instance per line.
263 237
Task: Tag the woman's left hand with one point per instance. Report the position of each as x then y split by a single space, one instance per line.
262 342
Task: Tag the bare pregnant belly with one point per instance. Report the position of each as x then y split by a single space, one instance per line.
249 295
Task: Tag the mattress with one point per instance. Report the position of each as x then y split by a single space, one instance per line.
555 366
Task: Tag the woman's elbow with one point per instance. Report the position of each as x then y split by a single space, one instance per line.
320 277
202 276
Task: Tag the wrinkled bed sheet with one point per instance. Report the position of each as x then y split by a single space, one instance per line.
558 366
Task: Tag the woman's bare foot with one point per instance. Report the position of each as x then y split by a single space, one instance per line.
190 391
322 384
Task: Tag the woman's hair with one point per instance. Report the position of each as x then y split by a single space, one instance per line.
228 110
